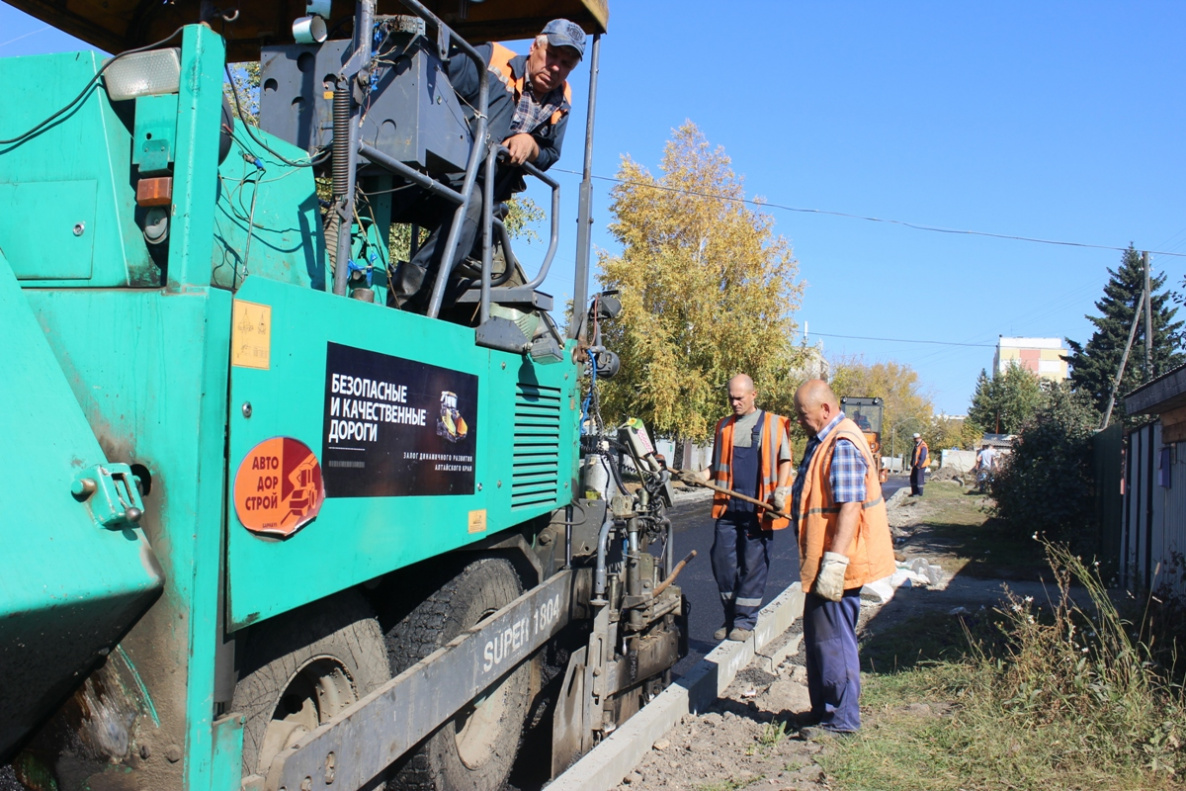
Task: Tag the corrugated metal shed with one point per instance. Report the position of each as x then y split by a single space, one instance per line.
1154 527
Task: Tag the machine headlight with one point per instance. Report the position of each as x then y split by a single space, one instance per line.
149 73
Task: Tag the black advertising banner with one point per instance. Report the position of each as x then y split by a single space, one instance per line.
395 427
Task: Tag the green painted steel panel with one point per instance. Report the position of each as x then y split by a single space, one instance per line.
76 170
155 140
55 250
149 369
267 212
228 753
354 539
69 588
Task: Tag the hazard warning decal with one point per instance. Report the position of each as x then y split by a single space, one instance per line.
278 489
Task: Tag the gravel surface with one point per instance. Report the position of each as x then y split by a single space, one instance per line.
738 743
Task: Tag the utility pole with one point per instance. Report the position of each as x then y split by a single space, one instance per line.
1132 331
1148 320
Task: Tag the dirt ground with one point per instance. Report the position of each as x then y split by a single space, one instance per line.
739 743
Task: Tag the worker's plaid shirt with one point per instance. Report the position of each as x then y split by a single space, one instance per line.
531 113
848 468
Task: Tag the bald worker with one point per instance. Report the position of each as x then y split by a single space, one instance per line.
751 455
844 543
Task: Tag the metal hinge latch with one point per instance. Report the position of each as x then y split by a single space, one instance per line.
112 494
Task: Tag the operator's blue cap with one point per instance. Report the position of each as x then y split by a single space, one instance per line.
562 33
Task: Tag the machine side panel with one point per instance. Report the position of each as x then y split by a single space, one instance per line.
266 211
67 199
70 586
407 427
149 370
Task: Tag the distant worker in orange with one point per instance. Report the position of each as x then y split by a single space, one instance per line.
918 466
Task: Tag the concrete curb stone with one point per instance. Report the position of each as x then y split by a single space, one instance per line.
604 766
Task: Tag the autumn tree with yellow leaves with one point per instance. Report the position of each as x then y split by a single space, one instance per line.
707 291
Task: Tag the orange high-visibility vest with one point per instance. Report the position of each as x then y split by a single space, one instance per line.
500 64
774 428
871 553
919 450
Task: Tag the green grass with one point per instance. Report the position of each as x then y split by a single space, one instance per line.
772 733
926 639
967 540
1061 698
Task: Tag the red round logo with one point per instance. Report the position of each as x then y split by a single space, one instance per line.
278 488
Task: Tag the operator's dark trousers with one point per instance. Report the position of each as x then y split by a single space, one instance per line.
413 282
918 477
740 564
833 666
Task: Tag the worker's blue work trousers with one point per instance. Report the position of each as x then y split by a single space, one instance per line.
833 667
918 478
740 564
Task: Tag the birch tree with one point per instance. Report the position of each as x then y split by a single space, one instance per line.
707 290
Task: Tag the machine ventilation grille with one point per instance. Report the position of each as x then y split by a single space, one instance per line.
534 477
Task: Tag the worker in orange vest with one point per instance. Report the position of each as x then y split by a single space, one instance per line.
751 455
918 466
844 543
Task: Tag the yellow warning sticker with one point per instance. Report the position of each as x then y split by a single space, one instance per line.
477 521
251 335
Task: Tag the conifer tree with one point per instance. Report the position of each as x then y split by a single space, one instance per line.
1094 364
1004 403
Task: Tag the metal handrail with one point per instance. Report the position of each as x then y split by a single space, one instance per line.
463 197
554 241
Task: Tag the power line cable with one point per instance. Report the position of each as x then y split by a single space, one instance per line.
904 223
24 35
901 340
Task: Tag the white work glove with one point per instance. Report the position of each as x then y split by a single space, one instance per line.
780 497
829 581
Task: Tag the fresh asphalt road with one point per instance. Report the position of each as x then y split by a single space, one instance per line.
693 525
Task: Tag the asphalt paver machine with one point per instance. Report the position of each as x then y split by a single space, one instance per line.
265 531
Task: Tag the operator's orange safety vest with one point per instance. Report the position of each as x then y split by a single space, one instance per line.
920 453
500 64
774 428
871 553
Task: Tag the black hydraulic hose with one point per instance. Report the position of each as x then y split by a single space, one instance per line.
613 468
364 17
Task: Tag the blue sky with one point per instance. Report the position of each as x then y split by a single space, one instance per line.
1057 120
